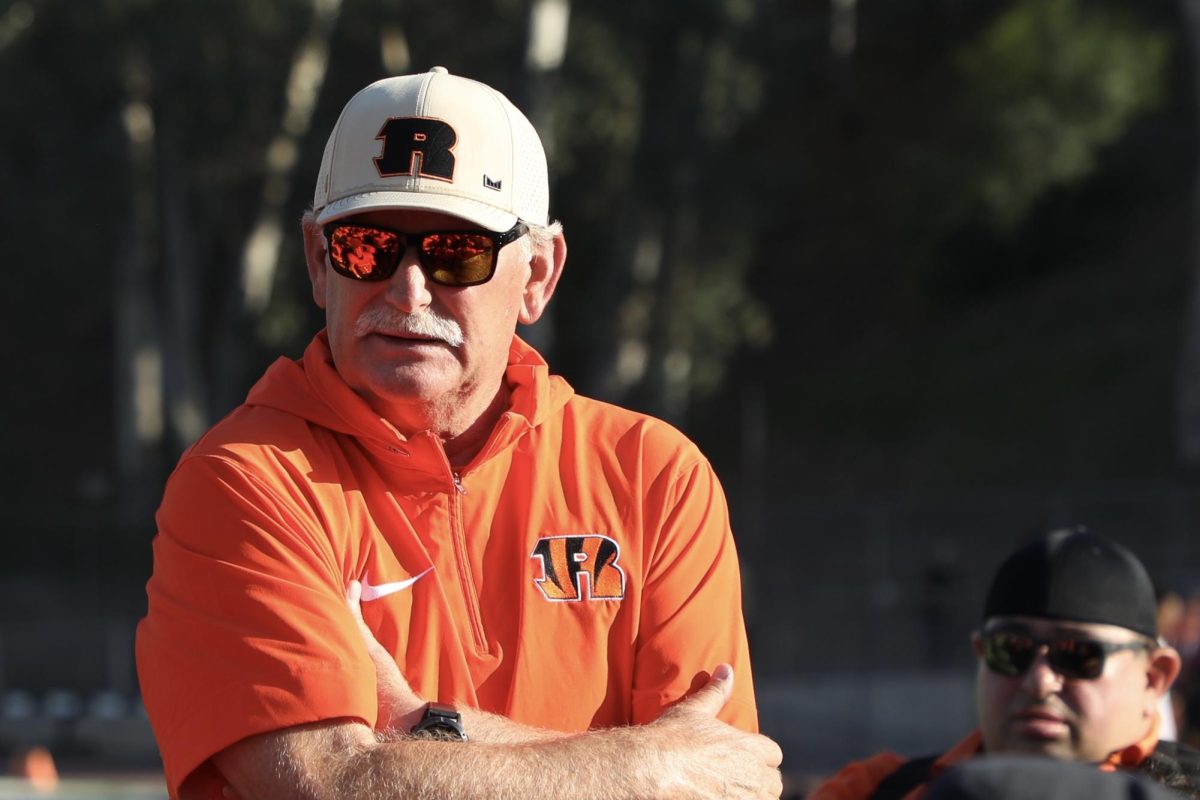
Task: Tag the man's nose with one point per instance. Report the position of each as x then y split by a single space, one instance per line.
408 289
1040 679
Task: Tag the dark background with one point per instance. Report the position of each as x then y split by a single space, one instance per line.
918 276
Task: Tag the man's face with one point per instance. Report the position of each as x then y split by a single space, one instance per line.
394 363
1041 712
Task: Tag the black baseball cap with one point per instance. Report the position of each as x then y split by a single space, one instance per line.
1075 575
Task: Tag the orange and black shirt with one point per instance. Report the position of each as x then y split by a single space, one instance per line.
579 573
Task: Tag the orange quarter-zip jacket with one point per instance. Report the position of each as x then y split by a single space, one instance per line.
579 573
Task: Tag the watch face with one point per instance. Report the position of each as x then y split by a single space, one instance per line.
442 723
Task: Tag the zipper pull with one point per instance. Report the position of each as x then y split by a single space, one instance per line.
458 484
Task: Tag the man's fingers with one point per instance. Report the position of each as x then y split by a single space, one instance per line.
385 666
724 674
712 698
353 596
397 700
773 753
775 786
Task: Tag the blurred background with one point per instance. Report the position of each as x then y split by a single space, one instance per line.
919 276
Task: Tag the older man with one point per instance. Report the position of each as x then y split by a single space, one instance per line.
555 577
1070 667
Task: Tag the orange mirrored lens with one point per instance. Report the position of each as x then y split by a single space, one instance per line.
362 251
450 258
457 258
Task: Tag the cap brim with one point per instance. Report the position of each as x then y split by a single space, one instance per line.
489 217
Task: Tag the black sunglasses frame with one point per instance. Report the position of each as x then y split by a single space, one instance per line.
386 270
1060 651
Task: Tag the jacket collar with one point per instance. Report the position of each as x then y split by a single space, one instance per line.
314 390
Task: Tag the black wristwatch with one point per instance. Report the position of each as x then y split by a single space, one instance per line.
440 722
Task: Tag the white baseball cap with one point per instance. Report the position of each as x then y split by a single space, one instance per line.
434 142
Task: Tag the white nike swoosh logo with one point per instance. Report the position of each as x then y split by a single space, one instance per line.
370 592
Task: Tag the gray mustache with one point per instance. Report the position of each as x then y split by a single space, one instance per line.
427 324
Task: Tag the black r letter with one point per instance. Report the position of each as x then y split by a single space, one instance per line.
416 146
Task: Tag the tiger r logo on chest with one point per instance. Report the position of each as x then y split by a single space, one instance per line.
581 567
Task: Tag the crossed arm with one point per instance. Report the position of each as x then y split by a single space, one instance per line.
686 753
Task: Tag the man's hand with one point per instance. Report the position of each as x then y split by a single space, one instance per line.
706 757
399 706
689 752
686 754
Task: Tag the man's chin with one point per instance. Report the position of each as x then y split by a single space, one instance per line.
1060 748
407 385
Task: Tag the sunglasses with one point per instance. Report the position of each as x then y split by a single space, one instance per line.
449 258
1012 654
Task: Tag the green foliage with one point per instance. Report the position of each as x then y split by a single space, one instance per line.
725 314
1052 82
800 203
651 108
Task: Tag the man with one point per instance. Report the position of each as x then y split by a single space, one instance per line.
1069 666
552 575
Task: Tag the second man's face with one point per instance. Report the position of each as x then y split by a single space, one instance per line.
1041 712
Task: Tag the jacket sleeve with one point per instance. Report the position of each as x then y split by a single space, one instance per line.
858 780
247 630
691 615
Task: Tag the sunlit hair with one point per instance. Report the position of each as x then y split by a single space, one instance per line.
543 235
540 236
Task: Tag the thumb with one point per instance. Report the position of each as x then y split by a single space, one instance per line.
712 698
399 705
353 595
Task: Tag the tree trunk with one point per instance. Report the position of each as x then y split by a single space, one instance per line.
843 41
251 295
137 356
183 375
672 161
543 56
1187 382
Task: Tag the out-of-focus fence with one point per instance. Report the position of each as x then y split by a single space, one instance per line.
887 585
69 685
860 612
859 615
120 787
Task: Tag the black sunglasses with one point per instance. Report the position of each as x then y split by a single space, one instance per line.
1012 654
449 258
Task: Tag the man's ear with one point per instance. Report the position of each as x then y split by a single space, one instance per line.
314 256
1162 670
545 268
977 644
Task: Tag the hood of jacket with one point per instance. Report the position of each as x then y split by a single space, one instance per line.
312 389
